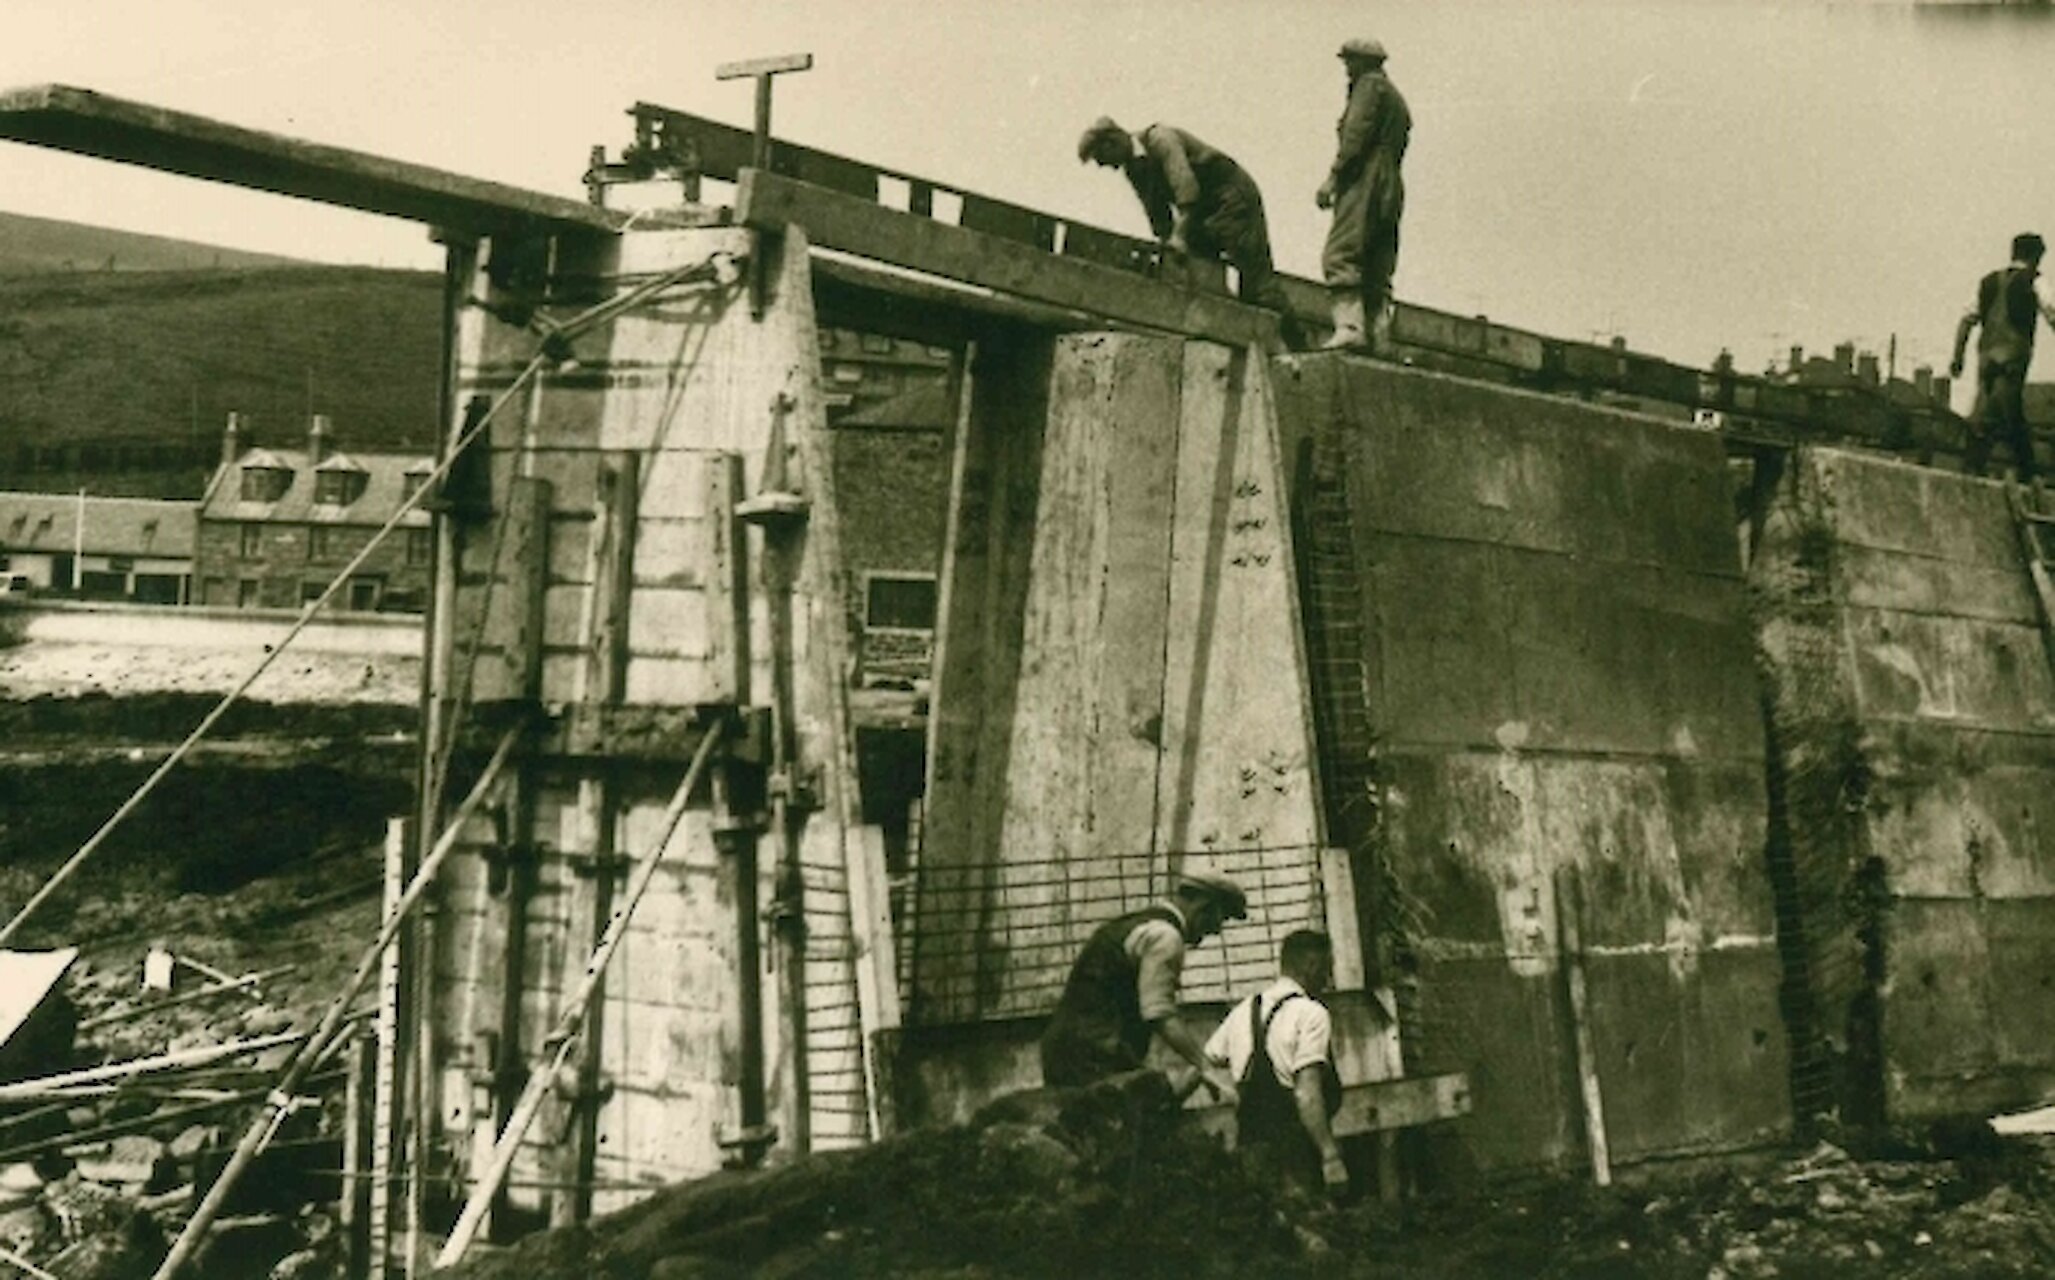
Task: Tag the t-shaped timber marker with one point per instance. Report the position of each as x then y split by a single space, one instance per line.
762 70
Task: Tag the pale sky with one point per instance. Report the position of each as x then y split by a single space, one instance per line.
1690 173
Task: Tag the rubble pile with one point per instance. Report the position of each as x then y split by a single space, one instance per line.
97 1176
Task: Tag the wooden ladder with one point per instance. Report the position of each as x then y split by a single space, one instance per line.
2033 520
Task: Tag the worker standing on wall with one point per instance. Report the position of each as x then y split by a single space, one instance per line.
1199 202
1122 991
2006 306
1278 1047
1368 197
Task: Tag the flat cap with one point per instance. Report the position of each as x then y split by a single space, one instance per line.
1103 127
1366 48
1228 893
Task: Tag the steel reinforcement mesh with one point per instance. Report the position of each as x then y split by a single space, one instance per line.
998 941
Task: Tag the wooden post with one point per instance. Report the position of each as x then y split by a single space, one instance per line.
877 981
386 1081
1570 932
352 1197
727 582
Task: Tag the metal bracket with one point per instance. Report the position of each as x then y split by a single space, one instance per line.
746 1147
800 788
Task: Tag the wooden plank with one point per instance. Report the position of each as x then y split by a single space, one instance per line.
763 66
527 566
96 124
613 563
1338 892
1570 937
725 577
1375 1106
1384 1105
877 969
851 225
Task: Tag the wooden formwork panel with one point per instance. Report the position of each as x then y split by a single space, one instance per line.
1120 689
635 586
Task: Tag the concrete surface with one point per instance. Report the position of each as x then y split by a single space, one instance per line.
1554 646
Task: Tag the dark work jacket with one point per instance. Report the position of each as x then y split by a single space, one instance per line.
2007 315
1176 168
1097 1029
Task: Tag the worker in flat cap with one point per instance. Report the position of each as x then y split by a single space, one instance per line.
1368 197
1123 989
1199 202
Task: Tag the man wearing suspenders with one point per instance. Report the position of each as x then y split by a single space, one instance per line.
1278 1048
2010 303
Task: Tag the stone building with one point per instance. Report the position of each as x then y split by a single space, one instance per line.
277 525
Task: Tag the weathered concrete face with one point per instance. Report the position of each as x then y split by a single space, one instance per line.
1548 623
1913 713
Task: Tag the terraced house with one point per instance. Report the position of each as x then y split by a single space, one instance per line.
277 525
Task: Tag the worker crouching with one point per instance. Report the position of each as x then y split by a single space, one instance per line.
1122 993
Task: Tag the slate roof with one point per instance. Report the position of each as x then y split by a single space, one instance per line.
48 522
384 489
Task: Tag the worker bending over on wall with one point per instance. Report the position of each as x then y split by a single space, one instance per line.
1122 990
1199 201
2006 306
1278 1047
1367 195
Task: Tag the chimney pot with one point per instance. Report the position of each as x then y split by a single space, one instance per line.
232 440
318 439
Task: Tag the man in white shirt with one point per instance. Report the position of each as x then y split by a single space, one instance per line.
1277 1044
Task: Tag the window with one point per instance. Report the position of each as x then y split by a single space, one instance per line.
338 487
252 542
311 590
418 546
364 593
899 602
246 596
265 484
320 542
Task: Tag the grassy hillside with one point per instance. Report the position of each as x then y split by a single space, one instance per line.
45 244
96 366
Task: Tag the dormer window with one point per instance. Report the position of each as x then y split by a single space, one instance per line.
265 484
338 488
339 481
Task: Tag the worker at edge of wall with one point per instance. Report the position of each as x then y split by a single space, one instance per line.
1199 202
2006 306
1278 1047
1368 197
1123 989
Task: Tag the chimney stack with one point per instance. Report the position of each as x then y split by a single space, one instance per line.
1844 357
1867 369
1797 360
318 438
1923 381
232 440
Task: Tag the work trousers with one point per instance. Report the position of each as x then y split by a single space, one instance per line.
1362 248
2000 414
1235 229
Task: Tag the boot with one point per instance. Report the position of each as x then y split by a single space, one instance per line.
1380 317
1348 322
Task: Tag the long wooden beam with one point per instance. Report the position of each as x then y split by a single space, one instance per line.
854 225
110 128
